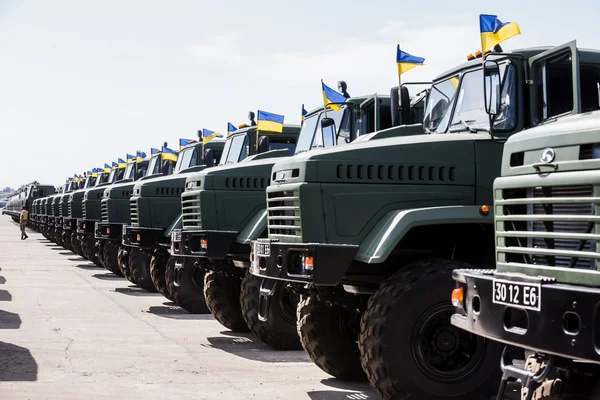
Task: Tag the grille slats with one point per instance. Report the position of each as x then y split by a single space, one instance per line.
70 210
104 211
134 211
190 210
549 226
284 214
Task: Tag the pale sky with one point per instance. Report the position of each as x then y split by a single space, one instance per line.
85 82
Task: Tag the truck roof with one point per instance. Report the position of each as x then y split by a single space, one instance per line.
585 55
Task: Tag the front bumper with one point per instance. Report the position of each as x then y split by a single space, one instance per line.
207 244
290 261
86 226
70 224
146 238
58 222
567 323
108 231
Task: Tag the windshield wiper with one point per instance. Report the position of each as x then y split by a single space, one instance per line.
470 128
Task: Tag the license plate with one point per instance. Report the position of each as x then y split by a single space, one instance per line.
517 294
176 236
262 249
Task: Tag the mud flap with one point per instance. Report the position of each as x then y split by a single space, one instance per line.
267 288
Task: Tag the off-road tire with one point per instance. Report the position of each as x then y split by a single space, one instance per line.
123 260
139 265
75 244
403 305
329 335
109 255
158 269
79 239
185 283
222 294
89 248
58 237
279 330
66 240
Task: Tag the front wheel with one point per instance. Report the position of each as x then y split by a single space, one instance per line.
409 347
329 334
158 269
279 329
139 265
123 260
222 294
58 237
185 282
66 240
90 250
110 256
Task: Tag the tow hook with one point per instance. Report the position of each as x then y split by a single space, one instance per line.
267 288
529 379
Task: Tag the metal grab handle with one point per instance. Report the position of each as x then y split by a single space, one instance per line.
538 166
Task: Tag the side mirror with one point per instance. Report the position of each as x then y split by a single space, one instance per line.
491 85
327 122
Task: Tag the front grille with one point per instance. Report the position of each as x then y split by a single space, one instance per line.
52 209
549 226
134 212
284 213
83 209
104 211
69 209
190 210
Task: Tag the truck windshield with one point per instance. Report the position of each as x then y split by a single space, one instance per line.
113 175
154 166
311 135
129 171
141 169
187 158
469 111
238 150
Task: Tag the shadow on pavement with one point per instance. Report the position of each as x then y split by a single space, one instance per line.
135 291
175 312
21 364
77 259
339 395
5 295
247 346
68 253
109 276
2 280
58 248
9 320
88 266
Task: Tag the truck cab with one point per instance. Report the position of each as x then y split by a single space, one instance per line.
544 293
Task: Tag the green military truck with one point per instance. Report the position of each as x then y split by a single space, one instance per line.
74 208
544 294
369 233
221 190
90 213
59 210
220 220
48 217
24 197
115 207
155 209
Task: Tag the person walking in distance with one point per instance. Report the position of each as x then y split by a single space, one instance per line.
23 222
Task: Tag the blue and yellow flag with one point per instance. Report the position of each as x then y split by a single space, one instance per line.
75 178
407 61
154 151
208 135
266 121
185 142
106 168
230 128
122 164
139 156
95 172
168 154
114 165
331 96
304 112
130 158
493 31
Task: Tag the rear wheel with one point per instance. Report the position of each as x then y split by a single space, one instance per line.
279 330
329 335
158 269
139 265
110 252
222 294
185 282
409 347
123 260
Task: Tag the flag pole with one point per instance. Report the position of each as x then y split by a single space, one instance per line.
323 94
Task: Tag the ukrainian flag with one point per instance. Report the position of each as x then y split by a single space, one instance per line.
267 121
185 142
130 158
106 168
95 172
230 128
407 61
140 155
331 96
75 178
208 135
494 31
304 112
168 154
122 164
154 151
